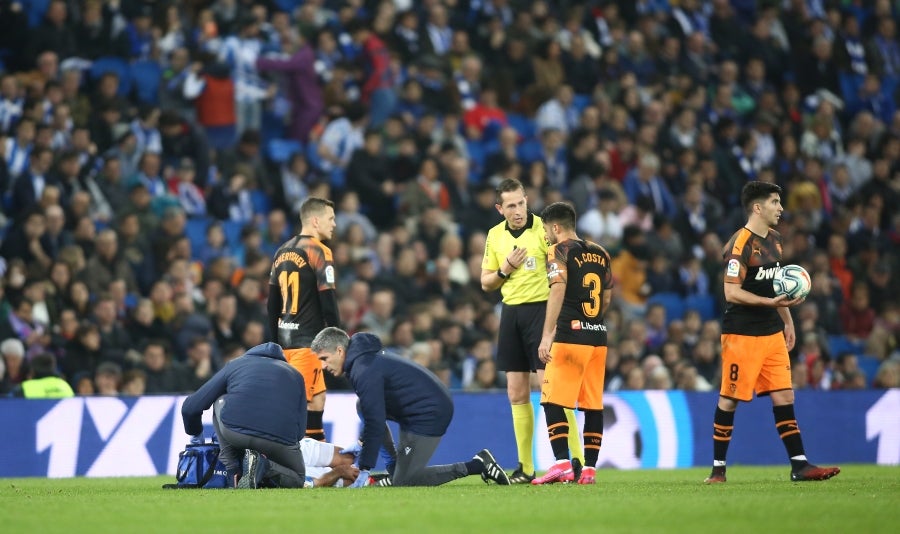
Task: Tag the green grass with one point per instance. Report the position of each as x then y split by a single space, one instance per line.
758 500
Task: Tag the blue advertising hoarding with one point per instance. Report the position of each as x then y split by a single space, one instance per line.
108 436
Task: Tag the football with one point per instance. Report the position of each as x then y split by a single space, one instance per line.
793 281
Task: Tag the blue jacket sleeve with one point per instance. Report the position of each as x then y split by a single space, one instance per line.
370 390
200 401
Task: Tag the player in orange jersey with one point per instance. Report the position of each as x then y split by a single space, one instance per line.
757 333
573 344
302 301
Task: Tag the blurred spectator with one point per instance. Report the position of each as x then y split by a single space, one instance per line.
107 264
107 379
714 93
857 316
376 89
181 139
240 53
12 352
54 34
43 381
163 375
888 375
485 377
182 186
134 383
296 63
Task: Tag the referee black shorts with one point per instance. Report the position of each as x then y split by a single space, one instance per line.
521 327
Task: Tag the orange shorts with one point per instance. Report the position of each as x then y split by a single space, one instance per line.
575 375
754 364
305 361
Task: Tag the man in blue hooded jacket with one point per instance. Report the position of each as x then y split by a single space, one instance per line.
392 388
259 407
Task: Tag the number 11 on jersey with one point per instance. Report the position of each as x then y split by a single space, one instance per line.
290 290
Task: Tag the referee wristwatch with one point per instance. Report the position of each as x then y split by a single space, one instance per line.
501 274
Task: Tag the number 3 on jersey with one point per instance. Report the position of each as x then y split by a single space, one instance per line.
290 290
591 308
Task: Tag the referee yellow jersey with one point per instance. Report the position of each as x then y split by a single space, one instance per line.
528 283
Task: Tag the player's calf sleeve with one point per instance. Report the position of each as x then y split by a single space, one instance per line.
558 429
315 429
523 427
723 425
789 432
593 436
574 439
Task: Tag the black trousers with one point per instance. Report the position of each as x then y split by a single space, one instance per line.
286 468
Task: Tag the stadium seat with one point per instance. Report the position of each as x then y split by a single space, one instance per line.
672 302
288 6
338 179
261 202
281 150
529 151
850 84
196 233
477 157
581 101
272 126
312 155
523 125
146 76
491 131
868 365
705 304
36 9
233 232
838 345
102 65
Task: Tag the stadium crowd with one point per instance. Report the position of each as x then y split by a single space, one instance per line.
153 155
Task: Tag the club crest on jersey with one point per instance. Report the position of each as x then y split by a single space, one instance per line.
734 268
554 270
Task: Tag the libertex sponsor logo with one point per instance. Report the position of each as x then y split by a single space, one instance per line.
581 325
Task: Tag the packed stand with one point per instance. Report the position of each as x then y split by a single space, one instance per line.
154 156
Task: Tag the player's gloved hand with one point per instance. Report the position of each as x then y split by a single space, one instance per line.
353 449
362 480
197 440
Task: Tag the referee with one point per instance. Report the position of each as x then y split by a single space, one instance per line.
515 262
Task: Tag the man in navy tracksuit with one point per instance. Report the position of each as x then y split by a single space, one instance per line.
260 407
392 388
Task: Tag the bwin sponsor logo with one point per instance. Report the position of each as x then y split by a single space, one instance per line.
767 274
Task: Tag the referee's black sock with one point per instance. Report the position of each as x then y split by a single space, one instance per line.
314 427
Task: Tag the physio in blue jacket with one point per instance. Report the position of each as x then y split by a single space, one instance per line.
259 416
395 389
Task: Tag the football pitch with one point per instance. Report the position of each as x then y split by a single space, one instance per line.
863 498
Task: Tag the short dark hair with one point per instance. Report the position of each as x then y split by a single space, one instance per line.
356 25
507 185
313 206
43 365
757 191
561 213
